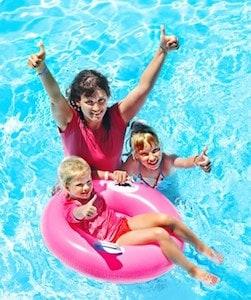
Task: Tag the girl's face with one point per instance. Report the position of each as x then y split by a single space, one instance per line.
150 156
81 187
94 107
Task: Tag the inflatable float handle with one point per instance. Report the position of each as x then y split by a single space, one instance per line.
108 247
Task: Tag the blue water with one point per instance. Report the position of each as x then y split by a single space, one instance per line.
202 97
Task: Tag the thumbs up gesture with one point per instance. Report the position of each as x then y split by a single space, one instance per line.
35 60
86 211
203 161
167 43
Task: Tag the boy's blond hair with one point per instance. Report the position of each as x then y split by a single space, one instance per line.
72 167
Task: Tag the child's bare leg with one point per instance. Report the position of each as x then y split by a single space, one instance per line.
169 249
182 231
179 229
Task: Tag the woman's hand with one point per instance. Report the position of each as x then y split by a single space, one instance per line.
167 43
36 60
203 161
119 176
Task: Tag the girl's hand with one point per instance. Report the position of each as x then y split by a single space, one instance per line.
119 176
167 43
35 60
203 161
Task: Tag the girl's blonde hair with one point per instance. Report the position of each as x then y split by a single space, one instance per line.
142 134
72 167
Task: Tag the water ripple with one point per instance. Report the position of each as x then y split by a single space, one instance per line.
202 97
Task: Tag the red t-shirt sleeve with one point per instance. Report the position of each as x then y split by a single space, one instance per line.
69 207
71 125
116 117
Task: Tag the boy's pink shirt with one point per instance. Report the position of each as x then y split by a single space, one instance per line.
101 150
103 225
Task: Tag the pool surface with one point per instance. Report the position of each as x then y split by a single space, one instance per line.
202 97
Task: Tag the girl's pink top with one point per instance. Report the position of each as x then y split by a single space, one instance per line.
103 225
101 149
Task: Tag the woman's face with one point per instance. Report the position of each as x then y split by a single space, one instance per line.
81 187
150 156
94 107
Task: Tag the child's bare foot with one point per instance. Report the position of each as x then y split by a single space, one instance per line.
203 276
211 254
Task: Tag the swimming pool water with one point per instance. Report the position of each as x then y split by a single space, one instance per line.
202 97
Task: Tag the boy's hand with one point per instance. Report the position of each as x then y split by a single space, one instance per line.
89 210
119 176
35 60
167 43
203 161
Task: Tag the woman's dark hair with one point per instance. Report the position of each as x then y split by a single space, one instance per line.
85 83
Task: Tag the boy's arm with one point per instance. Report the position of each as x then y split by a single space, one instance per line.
85 211
131 104
61 110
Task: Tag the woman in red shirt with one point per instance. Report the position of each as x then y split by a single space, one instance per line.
89 128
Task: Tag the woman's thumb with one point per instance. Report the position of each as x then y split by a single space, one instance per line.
41 52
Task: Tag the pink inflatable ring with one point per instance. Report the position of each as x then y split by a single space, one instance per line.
77 250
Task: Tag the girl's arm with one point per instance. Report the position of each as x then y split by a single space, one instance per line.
180 162
130 166
61 110
131 104
201 160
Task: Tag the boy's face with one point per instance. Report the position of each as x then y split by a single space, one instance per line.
150 156
81 187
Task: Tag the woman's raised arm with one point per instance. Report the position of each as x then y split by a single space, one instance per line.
61 110
131 104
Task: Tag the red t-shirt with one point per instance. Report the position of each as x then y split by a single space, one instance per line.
101 150
103 225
